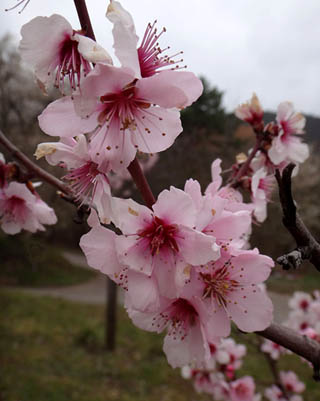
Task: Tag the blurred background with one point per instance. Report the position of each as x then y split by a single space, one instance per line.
53 320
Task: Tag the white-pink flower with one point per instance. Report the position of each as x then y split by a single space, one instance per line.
147 59
251 112
291 382
122 113
243 389
162 242
20 209
273 349
229 290
56 51
262 186
87 181
287 146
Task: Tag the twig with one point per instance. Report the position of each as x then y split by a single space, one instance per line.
243 169
307 246
32 167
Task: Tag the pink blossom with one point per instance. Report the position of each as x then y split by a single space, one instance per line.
87 180
243 389
229 291
262 186
291 382
273 349
235 352
56 51
186 341
123 114
145 60
286 146
161 242
251 112
300 300
20 209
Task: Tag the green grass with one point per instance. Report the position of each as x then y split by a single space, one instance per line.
53 350
28 261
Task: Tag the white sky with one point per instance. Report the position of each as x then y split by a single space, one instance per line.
270 47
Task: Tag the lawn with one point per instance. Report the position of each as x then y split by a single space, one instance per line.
52 350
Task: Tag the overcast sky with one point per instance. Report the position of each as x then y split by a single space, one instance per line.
242 46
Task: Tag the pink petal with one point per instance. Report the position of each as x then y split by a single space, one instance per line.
251 311
170 89
60 119
175 207
156 129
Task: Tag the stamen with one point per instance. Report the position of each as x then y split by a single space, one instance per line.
17 5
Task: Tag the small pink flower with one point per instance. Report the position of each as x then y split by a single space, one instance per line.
300 300
122 114
147 59
286 146
251 112
56 51
273 349
291 382
243 389
186 341
87 181
229 291
20 209
262 186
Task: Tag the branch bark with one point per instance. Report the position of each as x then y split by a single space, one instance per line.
32 167
300 345
307 246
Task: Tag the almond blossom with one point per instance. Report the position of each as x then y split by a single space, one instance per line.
243 389
251 112
122 114
161 243
20 209
287 146
87 181
147 59
229 291
55 51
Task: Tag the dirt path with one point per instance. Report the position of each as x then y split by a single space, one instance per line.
94 291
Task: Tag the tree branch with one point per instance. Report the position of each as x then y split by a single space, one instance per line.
32 167
297 343
307 246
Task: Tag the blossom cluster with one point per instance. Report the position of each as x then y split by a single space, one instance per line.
21 207
111 113
279 144
184 264
217 376
184 267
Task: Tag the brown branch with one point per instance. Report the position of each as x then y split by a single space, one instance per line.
307 246
32 167
245 166
84 18
297 343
